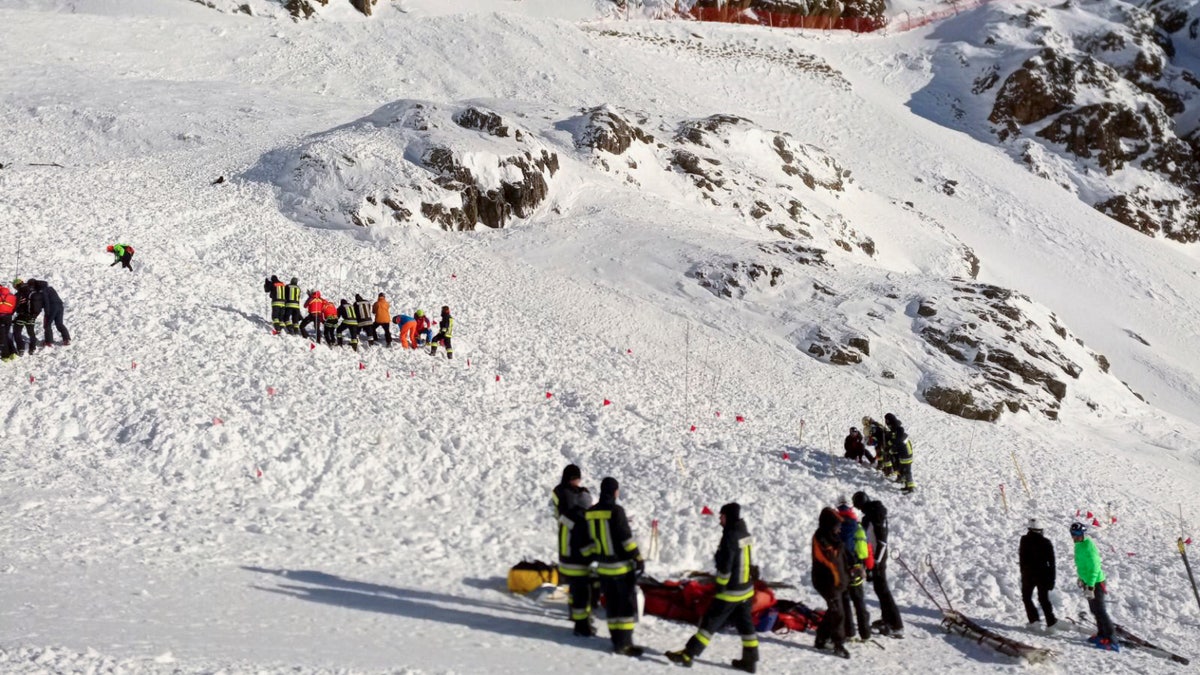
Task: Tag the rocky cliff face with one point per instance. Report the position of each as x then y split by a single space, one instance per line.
297 9
1103 111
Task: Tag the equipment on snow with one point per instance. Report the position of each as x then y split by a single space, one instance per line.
1128 639
529 575
1188 566
957 623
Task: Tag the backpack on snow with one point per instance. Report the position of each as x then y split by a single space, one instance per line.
529 575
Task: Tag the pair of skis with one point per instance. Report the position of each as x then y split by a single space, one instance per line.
1126 639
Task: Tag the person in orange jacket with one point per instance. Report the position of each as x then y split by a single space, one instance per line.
315 306
8 306
329 314
383 319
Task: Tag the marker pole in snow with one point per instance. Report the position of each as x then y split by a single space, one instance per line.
1021 474
1188 566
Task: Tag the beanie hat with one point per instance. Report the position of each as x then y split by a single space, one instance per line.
608 486
1034 525
732 512
843 500
570 473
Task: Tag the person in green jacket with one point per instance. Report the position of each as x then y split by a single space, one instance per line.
1091 580
123 254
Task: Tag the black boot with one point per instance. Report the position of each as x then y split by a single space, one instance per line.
630 650
840 651
680 657
584 628
744 665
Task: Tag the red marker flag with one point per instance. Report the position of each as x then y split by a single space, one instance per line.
606 402
739 418
549 395
706 511
693 428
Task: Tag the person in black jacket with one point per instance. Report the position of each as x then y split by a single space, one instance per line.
901 451
619 564
53 317
830 577
291 307
735 595
571 501
29 307
875 522
856 449
1037 572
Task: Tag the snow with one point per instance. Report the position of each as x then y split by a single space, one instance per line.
141 537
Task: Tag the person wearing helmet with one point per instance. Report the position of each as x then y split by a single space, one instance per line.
858 561
30 302
123 254
875 525
8 306
348 313
875 435
900 450
444 335
855 448
291 307
1091 580
329 312
1036 557
315 306
424 334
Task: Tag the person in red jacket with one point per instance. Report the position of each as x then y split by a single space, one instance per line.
315 306
329 312
8 305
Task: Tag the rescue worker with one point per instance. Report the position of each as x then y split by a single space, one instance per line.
875 524
53 318
123 254
444 334
876 436
362 310
276 289
424 334
901 451
735 595
349 317
29 307
571 501
383 320
830 579
291 307
315 306
619 564
8 306
855 448
1091 580
330 319
1036 559
858 561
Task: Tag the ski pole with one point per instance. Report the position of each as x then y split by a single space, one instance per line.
1188 566
1004 499
900 559
938 579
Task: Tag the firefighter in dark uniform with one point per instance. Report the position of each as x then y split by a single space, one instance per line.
444 335
291 307
735 595
875 523
571 502
275 288
349 320
901 451
619 563
365 314
876 435
30 302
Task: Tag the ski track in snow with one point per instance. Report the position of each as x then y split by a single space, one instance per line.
393 498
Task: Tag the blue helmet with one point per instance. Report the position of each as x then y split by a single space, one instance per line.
1078 529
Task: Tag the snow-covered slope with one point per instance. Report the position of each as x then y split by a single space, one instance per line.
187 492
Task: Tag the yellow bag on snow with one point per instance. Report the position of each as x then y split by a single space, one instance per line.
529 575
